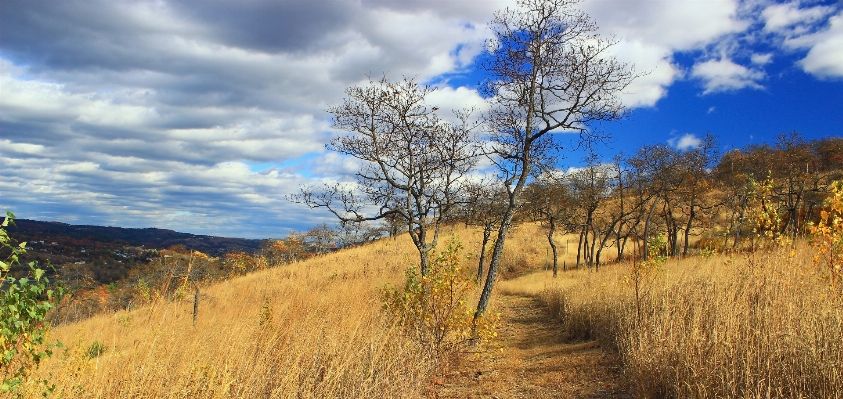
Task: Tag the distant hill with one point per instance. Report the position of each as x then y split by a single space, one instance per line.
108 254
149 238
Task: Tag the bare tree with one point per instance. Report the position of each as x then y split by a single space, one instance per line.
350 234
322 238
549 71
695 169
413 161
591 187
484 207
551 200
657 166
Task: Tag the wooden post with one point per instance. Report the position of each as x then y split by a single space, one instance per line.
195 303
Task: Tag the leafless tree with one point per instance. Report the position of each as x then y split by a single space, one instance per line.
484 205
551 200
322 238
694 167
658 166
350 234
591 187
413 161
549 71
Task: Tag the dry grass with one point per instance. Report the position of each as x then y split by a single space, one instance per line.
750 326
742 327
312 329
526 249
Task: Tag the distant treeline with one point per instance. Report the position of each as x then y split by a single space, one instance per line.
32 230
681 201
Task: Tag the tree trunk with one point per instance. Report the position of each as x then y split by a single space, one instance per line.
691 216
195 304
729 231
487 232
553 244
593 243
495 261
646 255
740 222
579 247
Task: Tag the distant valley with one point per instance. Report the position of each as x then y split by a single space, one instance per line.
110 252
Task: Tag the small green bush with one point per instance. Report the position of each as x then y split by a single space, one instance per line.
96 349
435 307
24 303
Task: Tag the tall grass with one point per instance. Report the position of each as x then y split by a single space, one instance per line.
309 330
743 326
748 326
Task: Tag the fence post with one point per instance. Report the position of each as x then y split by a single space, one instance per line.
195 303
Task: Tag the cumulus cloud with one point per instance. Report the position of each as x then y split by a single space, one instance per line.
154 113
651 32
686 142
816 29
789 18
761 59
825 49
722 75
149 113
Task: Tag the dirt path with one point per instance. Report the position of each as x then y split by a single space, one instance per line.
536 363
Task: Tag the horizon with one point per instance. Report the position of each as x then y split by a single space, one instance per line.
202 119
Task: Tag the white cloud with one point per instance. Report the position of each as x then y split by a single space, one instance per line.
137 112
725 75
673 24
825 49
654 62
22 148
817 29
789 18
449 99
651 32
152 111
686 142
761 59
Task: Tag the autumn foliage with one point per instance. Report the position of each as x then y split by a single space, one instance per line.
827 239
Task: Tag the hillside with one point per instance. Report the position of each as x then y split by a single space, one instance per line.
64 234
108 254
739 325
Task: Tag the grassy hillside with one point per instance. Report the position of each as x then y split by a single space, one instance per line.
311 329
738 326
725 326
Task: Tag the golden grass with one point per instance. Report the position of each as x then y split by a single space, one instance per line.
744 326
308 330
749 326
526 249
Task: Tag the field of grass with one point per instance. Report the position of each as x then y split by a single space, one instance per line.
740 326
745 326
307 330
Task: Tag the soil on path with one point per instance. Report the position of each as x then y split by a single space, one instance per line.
536 363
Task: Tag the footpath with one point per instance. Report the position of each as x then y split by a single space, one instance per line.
536 363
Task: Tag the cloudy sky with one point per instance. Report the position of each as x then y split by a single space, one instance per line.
200 116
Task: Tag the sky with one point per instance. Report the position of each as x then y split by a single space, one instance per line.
201 116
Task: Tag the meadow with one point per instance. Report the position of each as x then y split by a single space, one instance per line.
753 325
742 326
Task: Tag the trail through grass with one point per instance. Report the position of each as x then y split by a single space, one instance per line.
537 362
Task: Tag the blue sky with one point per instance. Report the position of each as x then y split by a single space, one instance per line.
201 117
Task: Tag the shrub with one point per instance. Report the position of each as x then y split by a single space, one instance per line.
95 350
23 304
827 239
434 307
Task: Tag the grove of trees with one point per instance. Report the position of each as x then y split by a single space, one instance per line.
548 71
